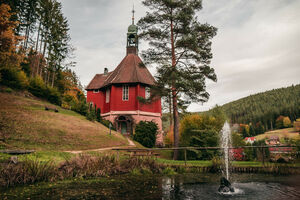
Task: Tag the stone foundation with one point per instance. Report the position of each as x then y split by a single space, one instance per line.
131 118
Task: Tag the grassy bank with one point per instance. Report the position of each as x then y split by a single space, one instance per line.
208 163
281 133
26 125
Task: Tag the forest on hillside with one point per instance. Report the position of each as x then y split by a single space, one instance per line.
265 108
36 53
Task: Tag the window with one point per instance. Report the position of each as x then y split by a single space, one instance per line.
125 95
107 96
96 91
147 93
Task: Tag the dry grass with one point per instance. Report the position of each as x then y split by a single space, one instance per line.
281 133
29 126
81 166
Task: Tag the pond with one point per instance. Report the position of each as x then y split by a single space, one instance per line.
188 186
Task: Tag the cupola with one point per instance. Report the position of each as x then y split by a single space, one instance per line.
132 37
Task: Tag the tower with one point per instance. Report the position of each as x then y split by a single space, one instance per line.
132 37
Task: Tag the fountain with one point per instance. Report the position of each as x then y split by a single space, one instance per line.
225 185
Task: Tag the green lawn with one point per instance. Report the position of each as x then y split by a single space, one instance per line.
43 156
206 163
202 163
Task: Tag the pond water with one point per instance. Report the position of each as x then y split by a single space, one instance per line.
188 186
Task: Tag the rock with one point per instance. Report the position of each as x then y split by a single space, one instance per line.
14 159
225 186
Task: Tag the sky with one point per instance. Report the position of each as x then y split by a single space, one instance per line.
257 46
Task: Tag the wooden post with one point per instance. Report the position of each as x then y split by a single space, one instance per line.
118 156
185 157
263 156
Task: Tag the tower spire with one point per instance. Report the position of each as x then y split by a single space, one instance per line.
133 14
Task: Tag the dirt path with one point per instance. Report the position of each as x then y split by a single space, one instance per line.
131 144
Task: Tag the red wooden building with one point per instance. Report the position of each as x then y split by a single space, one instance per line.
116 92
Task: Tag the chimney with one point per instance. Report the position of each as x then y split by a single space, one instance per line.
105 71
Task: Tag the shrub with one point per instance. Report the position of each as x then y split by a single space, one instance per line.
106 123
8 90
53 95
37 87
98 114
279 122
91 116
145 133
287 122
22 80
14 78
169 171
135 172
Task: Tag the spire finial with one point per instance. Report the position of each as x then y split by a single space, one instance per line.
133 14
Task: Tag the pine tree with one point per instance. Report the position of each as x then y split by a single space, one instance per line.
180 46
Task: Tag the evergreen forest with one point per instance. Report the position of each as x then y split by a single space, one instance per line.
267 108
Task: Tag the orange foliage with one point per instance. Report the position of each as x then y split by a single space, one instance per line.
246 126
169 138
8 39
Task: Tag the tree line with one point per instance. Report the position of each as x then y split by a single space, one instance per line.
36 52
267 110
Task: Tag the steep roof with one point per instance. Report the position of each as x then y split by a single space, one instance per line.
97 82
130 70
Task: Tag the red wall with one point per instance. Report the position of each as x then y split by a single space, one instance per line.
116 102
155 106
95 98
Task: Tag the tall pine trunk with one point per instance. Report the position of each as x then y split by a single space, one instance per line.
174 97
170 110
53 76
38 36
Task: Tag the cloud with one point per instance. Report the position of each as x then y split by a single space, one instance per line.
256 48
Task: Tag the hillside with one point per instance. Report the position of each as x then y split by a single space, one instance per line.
24 124
281 133
265 107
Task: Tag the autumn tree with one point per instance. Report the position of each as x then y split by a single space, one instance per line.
180 46
8 40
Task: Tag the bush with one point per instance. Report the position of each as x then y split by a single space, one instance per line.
14 78
8 90
145 133
81 107
106 123
91 116
98 114
53 95
39 89
169 171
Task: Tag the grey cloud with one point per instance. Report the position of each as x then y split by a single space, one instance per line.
256 48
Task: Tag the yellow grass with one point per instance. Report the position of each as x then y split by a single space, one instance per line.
281 133
29 126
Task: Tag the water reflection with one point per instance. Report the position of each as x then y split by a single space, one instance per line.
179 187
249 187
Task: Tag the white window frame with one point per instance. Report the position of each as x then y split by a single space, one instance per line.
107 95
96 91
125 93
147 93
